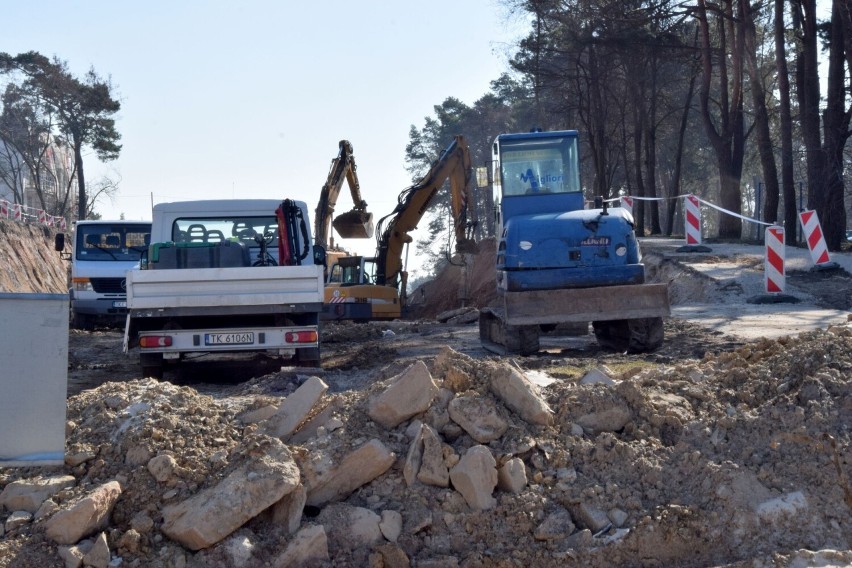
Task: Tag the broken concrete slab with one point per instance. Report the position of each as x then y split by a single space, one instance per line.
409 393
84 517
99 556
520 394
288 511
556 526
356 469
296 408
212 514
309 546
433 470
475 477
29 494
478 416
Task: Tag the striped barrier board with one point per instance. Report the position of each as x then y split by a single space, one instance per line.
773 265
814 237
692 220
627 203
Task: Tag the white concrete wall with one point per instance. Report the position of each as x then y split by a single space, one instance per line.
33 378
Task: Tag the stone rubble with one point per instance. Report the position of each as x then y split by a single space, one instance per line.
456 462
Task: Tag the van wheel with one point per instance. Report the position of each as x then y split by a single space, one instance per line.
82 321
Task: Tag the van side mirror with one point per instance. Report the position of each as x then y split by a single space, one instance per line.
59 246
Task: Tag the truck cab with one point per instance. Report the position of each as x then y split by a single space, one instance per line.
101 254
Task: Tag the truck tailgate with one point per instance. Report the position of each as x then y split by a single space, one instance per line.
241 286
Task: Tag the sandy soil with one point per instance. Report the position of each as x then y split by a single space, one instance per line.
719 449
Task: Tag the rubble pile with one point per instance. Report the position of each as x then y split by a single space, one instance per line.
741 458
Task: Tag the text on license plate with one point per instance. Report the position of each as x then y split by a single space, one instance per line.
229 338
119 304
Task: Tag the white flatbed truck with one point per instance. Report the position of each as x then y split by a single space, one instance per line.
226 276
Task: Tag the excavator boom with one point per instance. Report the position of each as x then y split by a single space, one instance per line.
354 224
454 165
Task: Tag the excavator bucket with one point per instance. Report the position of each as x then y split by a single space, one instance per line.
354 224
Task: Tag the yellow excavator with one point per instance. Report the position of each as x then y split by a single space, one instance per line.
374 288
354 224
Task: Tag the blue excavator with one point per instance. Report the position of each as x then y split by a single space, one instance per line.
559 262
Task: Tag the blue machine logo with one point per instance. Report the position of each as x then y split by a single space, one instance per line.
536 182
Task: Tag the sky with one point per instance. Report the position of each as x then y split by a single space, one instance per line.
250 99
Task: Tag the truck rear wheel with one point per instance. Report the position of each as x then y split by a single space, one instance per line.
308 357
630 336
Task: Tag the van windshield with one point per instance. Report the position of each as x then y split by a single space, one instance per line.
112 242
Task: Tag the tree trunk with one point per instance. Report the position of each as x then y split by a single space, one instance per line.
728 140
761 118
788 182
675 187
82 200
832 214
807 80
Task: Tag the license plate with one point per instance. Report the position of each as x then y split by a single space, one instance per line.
119 304
229 338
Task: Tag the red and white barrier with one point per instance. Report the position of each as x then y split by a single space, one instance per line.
627 203
17 213
814 237
773 264
4 208
692 220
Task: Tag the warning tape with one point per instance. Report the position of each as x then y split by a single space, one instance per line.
704 201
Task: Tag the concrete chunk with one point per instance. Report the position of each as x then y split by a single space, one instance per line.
99 556
214 513
520 394
478 417
29 494
555 526
89 514
288 511
310 545
296 408
512 476
433 471
409 394
356 469
414 458
475 477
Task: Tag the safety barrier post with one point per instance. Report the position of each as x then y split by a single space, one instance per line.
692 220
627 203
16 211
816 240
773 264
4 208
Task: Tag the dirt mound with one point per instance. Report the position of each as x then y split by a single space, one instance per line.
740 458
469 280
30 265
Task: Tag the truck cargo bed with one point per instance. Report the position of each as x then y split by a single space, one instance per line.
223 287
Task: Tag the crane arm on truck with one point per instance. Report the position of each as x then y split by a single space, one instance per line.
454 164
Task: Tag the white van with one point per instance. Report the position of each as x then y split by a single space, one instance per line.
102 252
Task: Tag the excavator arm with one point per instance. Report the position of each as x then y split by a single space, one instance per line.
454 165
354 224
